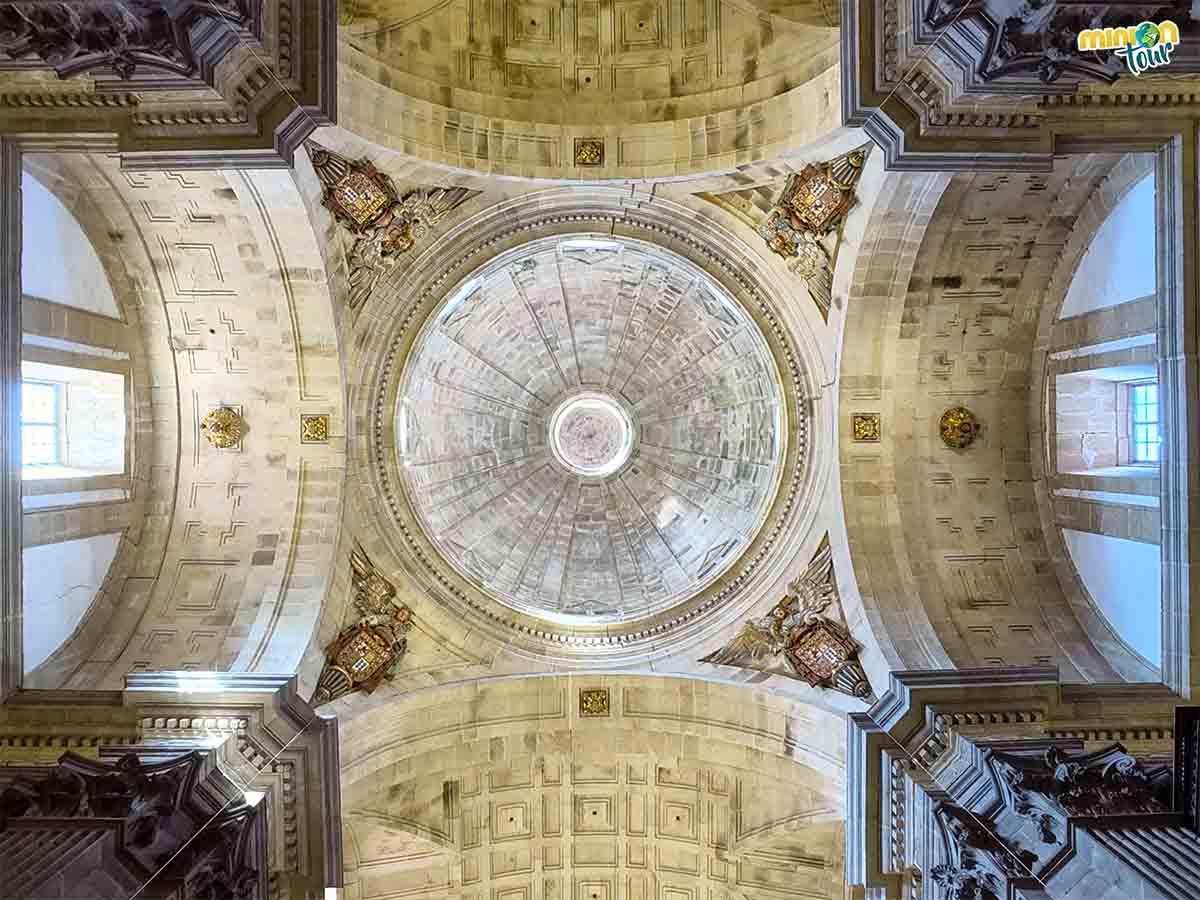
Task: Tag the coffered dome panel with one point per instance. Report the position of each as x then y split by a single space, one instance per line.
590 429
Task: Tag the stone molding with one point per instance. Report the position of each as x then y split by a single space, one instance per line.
180 44
433 276
251 111
944 735
183 810
261 736
937 119
11 597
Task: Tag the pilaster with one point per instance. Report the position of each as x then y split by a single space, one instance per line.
11 666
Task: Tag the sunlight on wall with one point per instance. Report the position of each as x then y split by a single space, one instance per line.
59 584
1125 580
58 262
1120 262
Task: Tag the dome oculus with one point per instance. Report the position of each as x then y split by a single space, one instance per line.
591 434
590 430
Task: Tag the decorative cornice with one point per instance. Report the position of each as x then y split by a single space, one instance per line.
263 112
162 808
920 89
595 211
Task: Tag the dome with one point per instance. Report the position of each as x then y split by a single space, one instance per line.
590 430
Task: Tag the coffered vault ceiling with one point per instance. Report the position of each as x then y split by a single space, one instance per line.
512 86
591 428
666 791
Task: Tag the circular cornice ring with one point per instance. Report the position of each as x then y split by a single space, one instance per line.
591 434
407 300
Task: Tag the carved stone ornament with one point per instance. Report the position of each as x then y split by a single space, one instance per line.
162 816
958 428
366 653
1040 39
803 222
1108 782
816 200
589 151
987 850
593 702
865 427
797 641
224 428
118 35
314 429
384 223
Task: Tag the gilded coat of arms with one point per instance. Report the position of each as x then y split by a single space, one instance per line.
384 223
366 653
797 640
959 428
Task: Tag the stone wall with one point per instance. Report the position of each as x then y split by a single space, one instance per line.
225 565
947 545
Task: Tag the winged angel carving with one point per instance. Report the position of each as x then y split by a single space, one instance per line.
797 639
366 653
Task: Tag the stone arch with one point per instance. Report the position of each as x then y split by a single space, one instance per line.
440 780
229 564
584 90
1107 196
935 320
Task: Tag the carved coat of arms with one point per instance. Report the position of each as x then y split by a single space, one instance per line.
798 640
366 653
385 224
802 224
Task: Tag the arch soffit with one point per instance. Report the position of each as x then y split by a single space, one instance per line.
496 718
919 588
1104 199
641 139
224 280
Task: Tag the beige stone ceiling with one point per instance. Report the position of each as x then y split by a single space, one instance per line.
949 548
228 553
617 322
587 61
508 86
681 791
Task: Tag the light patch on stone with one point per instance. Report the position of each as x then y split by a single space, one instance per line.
591 434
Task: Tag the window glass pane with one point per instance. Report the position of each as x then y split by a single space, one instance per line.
39 445
39 402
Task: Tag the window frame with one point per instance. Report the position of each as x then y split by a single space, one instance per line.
57 422
1135 459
